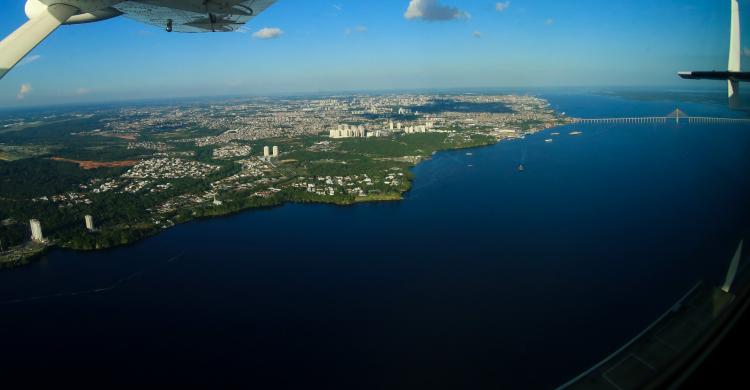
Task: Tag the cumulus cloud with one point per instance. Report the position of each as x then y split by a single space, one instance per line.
25 89
29 59
268 33
549 21
502 6
477 34
358 29
432 10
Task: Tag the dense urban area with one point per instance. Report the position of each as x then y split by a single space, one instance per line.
95 177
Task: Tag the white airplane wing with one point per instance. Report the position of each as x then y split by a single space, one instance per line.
173 15
193 15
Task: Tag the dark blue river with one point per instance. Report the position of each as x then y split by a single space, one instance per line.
483 277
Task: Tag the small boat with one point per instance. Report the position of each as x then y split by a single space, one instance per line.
555 133
521 168
548 140
469 153
576 132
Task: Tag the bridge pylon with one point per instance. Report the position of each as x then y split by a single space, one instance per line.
677 114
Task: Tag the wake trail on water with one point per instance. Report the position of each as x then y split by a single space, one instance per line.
100 290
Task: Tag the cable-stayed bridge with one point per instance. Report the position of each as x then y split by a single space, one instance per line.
674 116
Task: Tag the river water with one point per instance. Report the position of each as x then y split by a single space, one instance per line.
483 277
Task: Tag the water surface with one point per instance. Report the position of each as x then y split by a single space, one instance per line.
483 277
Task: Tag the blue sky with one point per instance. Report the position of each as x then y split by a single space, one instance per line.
344 45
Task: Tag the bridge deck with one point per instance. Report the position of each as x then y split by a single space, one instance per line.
663 119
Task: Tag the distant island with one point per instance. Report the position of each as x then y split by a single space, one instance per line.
108 176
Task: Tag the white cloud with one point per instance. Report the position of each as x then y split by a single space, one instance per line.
477 34
549 21
335 10
29 59
432 10
83 91
358 29
268 33
502 6
25 89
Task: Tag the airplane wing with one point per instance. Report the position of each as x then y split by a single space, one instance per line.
193 16
174 15
734 73
715 75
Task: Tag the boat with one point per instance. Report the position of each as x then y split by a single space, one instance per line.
548 140
576 132
469 154
555 133
521 168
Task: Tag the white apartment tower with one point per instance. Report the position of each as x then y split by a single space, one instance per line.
346 131
36 230
89 222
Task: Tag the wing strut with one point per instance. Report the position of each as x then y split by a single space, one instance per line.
734 74
27 37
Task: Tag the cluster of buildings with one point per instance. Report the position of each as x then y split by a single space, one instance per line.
149 145
418 128
351 184
170 168
107 186
352 131
262 118
347 131
268 152
231 151
66 199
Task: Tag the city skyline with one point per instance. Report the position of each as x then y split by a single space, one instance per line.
346 46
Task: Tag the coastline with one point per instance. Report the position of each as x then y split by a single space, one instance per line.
145 233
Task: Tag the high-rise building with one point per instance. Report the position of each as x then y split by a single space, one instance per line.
390 125
415 129
348 131
36 230
266 151
276 151
89 222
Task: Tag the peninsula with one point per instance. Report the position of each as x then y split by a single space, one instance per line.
98 177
